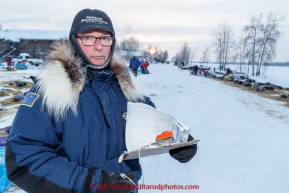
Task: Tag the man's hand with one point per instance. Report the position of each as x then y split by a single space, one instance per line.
184 154
114 182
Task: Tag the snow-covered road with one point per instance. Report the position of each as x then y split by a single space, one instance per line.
244 143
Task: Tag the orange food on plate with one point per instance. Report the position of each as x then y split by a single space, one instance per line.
164 135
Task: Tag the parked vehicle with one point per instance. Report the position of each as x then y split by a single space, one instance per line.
25 56
240 78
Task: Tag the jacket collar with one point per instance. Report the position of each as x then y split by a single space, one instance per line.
62 78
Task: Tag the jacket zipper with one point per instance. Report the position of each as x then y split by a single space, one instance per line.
122 117
105 120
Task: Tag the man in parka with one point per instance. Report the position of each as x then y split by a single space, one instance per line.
68 133
134 64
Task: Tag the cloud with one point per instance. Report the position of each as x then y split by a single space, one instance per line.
126 30
164 23
27 20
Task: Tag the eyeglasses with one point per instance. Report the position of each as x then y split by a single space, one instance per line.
90 40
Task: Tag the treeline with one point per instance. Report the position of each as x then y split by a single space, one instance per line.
256 47
280 64
131 45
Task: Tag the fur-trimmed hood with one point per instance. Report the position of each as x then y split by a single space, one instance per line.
62 79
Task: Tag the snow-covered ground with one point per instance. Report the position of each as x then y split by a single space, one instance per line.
243 137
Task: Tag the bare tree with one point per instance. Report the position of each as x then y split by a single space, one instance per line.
176 59
205 58
218 42
149 52
117 47
250 41
240 54
123 44
223 44
160 56
262 34
185 53
165 55
133 44
268 41
156 54
129 45
193 54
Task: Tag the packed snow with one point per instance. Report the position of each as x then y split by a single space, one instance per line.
243 137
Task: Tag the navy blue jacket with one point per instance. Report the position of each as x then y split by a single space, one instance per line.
134 63
51 153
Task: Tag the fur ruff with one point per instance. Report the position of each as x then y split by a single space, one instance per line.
62 79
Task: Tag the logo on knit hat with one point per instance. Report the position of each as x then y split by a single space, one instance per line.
93 20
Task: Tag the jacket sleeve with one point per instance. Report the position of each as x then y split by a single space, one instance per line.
130 65
138 63
31 159
148 102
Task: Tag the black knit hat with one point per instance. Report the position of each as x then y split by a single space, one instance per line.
86 20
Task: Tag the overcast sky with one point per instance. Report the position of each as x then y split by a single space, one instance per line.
165 23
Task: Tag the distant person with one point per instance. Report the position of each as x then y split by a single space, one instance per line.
228 71
195 69
8 60
134 65
206 72
144 67
200 70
